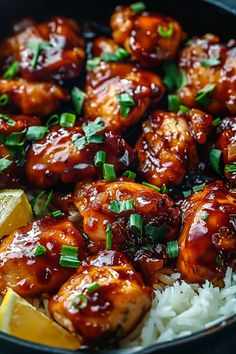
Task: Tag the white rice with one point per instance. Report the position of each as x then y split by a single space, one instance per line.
182 309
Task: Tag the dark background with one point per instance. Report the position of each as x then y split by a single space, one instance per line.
197 17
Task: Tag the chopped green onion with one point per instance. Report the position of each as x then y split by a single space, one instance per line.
93 63
173 103
129 174
173 78
80 301
67 120
136 224
138 7
205 217
14 139
69 257
166 32
12 70
213 61
151 186
214 158
4 163
8 120
4 100
96 139
183 109
39 250
92 287
199 187
56 214
100 158
119 55
109 237
35 133
118 206
172 249
80 143
230 168
53 120
109 173
40 203
157 233
187 193
216 122
164 189
93 127
204 96
78 97
37 47
126 102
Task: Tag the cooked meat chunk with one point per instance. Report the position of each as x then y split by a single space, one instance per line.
207 243
120 93
166 149
67 155
103 45
51 50
112 207
227 144
16 123
29 274
209 68
149 37
32 98
104 300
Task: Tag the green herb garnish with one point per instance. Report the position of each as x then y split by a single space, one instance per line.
69 257
214 158
12 70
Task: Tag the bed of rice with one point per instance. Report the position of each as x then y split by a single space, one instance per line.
178 310
182 309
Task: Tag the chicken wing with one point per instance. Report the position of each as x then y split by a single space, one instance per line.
120 93
51 50
207 243
149 37
209 68
32 98
112 207
29 274
103 301
67 155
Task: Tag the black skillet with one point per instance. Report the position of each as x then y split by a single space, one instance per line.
197 17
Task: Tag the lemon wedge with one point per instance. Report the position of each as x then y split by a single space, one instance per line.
15 210
20 319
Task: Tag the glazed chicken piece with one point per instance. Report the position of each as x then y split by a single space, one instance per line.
120 93
67 155
32 98
138 219
16 123
227 144
209 68
51 50
103 301
166 149
149 37
9 173
31 275
103 45
207 243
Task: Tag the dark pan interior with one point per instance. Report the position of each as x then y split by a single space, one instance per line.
197 17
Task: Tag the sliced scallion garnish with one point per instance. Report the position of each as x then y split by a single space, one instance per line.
173 103
118 206
109 237
56 214
35 133
12 70
67 120
80 301
151 186
138 7
93 287
166 32
39 251
109 173
126 102
69 257
230 168
136 224
199 187
172 249
214 158
4 100
204 96
100 158
4 163
129 174
78 97
213 61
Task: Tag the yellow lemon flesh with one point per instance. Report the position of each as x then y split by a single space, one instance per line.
18 318
15 210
